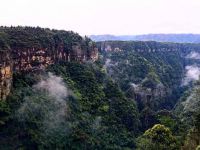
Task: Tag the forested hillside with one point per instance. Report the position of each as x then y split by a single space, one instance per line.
89 111
29 48
59 92
163 80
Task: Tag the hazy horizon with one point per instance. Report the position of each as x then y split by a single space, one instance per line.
99 17
146 34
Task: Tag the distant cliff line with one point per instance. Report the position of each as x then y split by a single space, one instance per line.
175 38
147 46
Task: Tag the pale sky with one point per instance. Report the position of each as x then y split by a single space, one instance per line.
118 17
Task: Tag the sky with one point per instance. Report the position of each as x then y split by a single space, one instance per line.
117 17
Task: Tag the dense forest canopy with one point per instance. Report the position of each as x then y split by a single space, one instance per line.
29 37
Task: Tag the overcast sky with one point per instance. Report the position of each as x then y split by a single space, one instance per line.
118 17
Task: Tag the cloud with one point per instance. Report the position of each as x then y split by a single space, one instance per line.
47 105
193 55
192 74
54 86
134 85
108 62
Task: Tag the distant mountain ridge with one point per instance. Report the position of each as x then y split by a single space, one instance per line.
176 38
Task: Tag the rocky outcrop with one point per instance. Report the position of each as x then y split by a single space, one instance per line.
146 47
148 96
32 58
29 59
24 49
5 74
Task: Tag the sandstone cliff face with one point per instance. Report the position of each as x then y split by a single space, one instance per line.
34 58
25 49
5 74
29 59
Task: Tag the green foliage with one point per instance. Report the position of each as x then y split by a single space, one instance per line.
31 37
158 137
188 106
149 64
147 118
3 42
167 121
151 80
99 115
197 121
101 97
4 112
154 68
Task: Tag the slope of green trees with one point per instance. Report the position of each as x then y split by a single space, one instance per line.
36 37
145 66
149 70
157 138
99 116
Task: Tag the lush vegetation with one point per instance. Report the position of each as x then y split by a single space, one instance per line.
158 137
162 69
131 98
31 37
99 116
144 69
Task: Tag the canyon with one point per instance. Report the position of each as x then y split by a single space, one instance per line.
124 86
151 73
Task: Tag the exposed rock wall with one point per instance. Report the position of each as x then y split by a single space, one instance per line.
24 49
147 96
28 59
5 74
32 58
147 46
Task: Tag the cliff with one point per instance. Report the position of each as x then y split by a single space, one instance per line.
148 96
5 74
147 46
150 72
28 49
